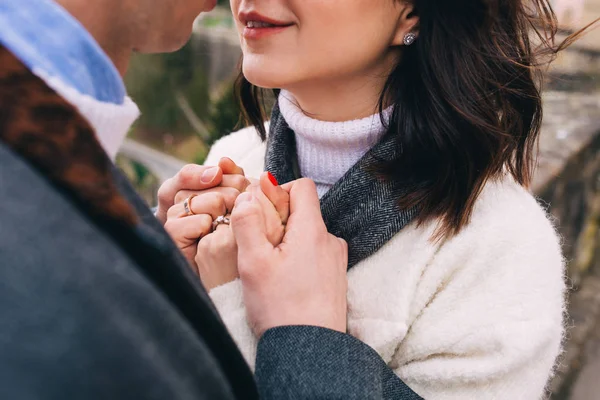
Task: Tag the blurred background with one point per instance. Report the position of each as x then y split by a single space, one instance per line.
187 103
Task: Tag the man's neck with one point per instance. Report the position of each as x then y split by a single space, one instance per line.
103 22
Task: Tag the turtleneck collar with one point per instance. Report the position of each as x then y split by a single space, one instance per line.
327 150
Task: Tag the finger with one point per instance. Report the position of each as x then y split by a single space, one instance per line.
276 195
190 229
229 195
190 177
229 167
224 226
249 229
221 227
288 186
212 203
304 199
305 208
222 240
343 249
236 181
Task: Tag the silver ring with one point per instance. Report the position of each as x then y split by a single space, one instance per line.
222 220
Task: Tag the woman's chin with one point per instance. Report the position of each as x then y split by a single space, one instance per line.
267 76
263 80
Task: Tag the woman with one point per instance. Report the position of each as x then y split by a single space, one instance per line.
418 122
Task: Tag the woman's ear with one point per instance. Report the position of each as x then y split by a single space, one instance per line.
408 22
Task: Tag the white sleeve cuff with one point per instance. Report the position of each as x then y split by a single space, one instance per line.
229 301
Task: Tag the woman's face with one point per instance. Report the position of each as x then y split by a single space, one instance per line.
287 43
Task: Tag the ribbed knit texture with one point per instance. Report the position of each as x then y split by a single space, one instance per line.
327 150
359 208
110 121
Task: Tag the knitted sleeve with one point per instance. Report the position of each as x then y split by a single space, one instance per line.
228 300
488 315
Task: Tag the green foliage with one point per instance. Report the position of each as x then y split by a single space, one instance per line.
154 80
172 91
145 183
225 115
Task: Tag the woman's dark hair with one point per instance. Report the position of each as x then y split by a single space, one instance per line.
467 102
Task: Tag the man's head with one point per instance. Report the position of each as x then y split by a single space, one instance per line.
146 26
163 25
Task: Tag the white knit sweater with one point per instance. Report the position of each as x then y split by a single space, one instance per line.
479 316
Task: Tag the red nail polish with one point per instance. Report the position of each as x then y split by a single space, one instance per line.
272 179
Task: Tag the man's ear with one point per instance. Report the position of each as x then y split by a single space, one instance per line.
408 22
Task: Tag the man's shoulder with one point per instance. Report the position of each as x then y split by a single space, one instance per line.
78 312
39 222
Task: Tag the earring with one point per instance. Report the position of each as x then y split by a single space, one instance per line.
409 38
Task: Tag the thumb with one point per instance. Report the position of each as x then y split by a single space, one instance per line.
249 228
276 195
229 167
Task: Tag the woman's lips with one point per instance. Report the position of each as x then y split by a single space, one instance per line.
261 32
258 26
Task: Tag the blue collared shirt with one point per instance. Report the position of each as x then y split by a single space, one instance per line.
46 38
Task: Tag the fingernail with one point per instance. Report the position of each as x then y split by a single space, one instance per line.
272 179
209 175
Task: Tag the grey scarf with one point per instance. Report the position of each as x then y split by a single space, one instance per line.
359 208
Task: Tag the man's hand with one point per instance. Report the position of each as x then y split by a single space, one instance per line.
303 280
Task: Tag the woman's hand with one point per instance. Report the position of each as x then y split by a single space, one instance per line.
275 204
187 229
217 255
213 254
195 178
232 183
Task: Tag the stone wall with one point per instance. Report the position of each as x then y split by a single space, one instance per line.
568 182
569 172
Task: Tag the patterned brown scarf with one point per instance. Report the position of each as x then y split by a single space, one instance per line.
47 131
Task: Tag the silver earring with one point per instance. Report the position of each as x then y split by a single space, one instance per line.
409 38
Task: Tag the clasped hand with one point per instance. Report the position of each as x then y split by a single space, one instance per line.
212 250
293 271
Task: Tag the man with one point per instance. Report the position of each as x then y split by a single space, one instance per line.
95 300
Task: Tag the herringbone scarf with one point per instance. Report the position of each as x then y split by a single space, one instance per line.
360 208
